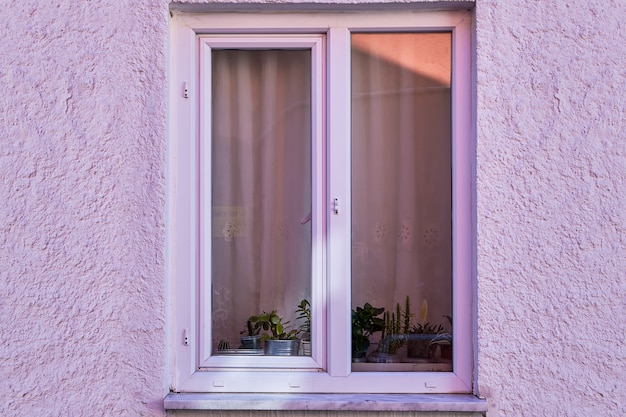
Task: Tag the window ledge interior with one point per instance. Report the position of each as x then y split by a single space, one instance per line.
332 402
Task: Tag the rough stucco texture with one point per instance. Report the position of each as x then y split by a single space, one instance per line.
551 211
82 212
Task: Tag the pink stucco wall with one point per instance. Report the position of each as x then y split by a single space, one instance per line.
82 200
551 207
83 286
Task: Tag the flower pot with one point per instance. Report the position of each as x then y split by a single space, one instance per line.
306 347
446 352
250 342
419 346
287 347
359 357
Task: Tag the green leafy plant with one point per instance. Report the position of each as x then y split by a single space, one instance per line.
424 336
304 314
365 322
443 337
424 327
250 338
427 328
273 323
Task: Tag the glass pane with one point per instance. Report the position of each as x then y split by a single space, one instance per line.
261 193
401 202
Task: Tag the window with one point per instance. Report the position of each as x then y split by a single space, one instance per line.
321 157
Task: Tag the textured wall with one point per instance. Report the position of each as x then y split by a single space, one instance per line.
82 207
82 200
551 211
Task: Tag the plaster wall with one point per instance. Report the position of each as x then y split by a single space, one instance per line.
83 124
82 207
551 241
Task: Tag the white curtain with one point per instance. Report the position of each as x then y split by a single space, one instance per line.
401 178
261 185
401 171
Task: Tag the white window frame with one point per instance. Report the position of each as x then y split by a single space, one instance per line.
329 369
314 43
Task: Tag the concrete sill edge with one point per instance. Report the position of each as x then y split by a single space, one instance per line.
326 402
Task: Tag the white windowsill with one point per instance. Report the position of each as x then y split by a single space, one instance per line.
331 402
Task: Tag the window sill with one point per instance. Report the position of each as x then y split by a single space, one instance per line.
330 402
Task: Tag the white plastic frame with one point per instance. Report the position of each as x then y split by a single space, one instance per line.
191 369
314 44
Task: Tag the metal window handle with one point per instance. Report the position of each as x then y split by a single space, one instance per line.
336 205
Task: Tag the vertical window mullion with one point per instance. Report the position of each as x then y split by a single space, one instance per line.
339 328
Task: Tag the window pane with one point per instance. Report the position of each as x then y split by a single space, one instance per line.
401 197
261 188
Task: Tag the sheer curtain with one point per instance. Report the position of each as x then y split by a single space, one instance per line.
401 171
261 185
261 178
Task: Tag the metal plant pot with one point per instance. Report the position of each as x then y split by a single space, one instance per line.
250 342
282 347
306 347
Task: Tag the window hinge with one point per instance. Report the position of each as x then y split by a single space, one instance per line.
185 90
185 338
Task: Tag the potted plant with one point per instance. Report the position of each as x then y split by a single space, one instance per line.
423 336
420 340
223 345
441 346
280 341
365 322
394 334
250 338
304 315
443 341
